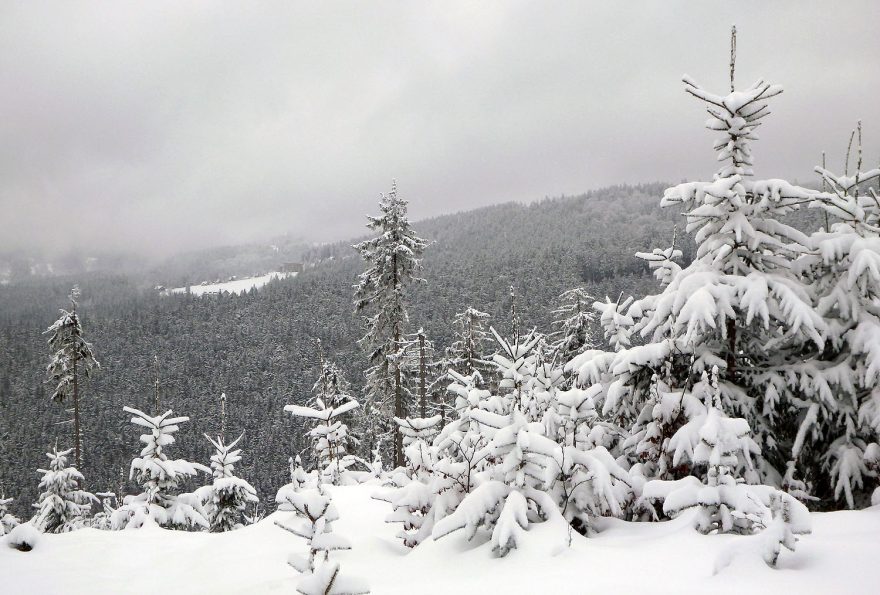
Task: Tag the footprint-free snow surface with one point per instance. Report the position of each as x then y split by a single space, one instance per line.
623 557
238 286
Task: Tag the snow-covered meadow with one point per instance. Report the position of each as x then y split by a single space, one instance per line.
667 557
237 286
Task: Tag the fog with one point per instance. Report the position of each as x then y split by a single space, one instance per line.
164 126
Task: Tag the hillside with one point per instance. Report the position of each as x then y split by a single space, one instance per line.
258 347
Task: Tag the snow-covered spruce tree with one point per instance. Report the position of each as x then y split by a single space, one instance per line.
790 518
412 503
317 513
392 259
573 320
649 439
662 414
332 389
299 479
719 449
8 521
470 341
583 477
738 306
418 435
456 457
616 321
225 499
841 416
72 359
62 505
428 374
159 477
103 520
329 436
527 476
331 385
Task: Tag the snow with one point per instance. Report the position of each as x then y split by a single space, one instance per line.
623 557
239 286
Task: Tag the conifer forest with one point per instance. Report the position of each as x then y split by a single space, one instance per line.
219 376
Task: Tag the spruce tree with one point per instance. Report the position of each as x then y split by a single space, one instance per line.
392 259
739 305
573 320
8 521
470 341
226 498
316 513
160 477
329 436
62 505
72 359
530 467
840 414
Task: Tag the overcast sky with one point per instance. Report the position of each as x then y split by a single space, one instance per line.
159 126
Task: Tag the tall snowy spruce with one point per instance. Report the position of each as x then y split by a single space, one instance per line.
72 360
159 477
392 259
739 306
62 506
841 416
316 513
227 497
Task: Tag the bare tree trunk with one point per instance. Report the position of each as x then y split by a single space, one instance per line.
156 359
423 389
77 438
731 343
400 413
471 346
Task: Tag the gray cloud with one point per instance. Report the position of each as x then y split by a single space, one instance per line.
168 125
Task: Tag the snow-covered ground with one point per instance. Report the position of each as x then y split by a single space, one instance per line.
623 558
238 286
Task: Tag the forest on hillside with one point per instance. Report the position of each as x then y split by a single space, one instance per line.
259 348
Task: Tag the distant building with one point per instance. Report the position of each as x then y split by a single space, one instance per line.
292 267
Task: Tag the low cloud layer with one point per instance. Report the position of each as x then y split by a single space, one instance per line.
170 125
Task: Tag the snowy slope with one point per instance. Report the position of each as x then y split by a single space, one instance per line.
238 286
624 558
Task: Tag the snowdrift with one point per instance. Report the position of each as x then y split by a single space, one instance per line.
623 557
